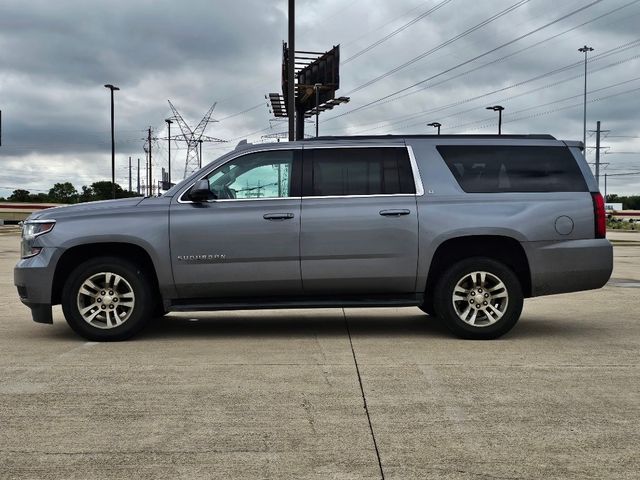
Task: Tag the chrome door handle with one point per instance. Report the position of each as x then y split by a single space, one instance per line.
278 216
395 213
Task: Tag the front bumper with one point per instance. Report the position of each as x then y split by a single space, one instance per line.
33 277
569 266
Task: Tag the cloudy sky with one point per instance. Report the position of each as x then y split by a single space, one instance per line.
404 64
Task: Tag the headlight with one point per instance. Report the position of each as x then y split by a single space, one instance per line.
35 228
31 230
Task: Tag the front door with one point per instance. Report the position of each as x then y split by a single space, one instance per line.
246 242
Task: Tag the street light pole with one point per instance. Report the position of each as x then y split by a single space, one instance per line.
499 109
585 50
113 145
435 125
317 89
169 122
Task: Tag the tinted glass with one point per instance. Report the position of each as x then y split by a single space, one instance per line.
359 171
482 169
256 175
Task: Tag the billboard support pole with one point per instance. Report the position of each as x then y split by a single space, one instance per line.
291 65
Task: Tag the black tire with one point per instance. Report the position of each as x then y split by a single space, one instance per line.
444 304
138 315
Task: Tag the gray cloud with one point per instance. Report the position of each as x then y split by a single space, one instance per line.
56 56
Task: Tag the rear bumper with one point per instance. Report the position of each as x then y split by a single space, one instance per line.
569 266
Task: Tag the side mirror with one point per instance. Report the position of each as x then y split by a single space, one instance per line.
200 192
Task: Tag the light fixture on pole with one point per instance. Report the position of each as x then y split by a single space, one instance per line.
435 125
585 50
169 122
113 146
499 109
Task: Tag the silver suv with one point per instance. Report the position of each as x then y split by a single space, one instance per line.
463 227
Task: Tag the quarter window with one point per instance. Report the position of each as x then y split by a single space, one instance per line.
358 171
484 169
256 175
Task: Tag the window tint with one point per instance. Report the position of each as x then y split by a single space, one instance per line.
358 171
481 169
256 175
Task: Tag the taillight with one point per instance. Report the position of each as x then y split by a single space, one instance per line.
599 217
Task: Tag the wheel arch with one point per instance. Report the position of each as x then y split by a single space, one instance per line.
501 248
75 255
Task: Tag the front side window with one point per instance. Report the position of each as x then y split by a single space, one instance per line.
358 171
256 175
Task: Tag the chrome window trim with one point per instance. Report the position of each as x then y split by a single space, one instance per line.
417 179
240 154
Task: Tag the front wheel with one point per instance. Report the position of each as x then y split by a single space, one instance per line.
107 299
479 298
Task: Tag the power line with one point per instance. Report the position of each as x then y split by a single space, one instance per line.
466 62
442 45
396 31
548 112
403 118
593 58
560 100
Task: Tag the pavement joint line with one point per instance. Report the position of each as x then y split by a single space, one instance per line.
364 398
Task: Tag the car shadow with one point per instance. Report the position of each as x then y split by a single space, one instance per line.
293 324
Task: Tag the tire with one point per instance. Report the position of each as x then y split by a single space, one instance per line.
474 280
107 317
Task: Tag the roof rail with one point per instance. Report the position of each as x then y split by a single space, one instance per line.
479 136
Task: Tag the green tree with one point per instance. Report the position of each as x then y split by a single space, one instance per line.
102 191
63 193
86 195
20 195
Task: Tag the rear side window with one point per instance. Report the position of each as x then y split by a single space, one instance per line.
357 171
484 169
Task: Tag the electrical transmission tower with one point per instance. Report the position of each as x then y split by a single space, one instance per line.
193 137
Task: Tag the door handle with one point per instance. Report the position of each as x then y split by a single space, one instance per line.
278 216
395 212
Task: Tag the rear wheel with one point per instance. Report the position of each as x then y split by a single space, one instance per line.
479 298
107 299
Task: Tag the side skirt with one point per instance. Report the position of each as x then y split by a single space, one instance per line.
194 305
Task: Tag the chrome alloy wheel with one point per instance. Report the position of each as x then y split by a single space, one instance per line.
106 300
480 299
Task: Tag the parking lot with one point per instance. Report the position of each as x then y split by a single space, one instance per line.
282 394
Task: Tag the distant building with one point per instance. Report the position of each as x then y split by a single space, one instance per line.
613 206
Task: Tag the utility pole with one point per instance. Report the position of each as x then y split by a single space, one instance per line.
129 173
200 159
169 122
113 146
585 50
605 188
291 76
435 125
598 154
0 128
138 177
150 182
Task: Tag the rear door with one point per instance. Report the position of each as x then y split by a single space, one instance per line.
359 231
246 243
